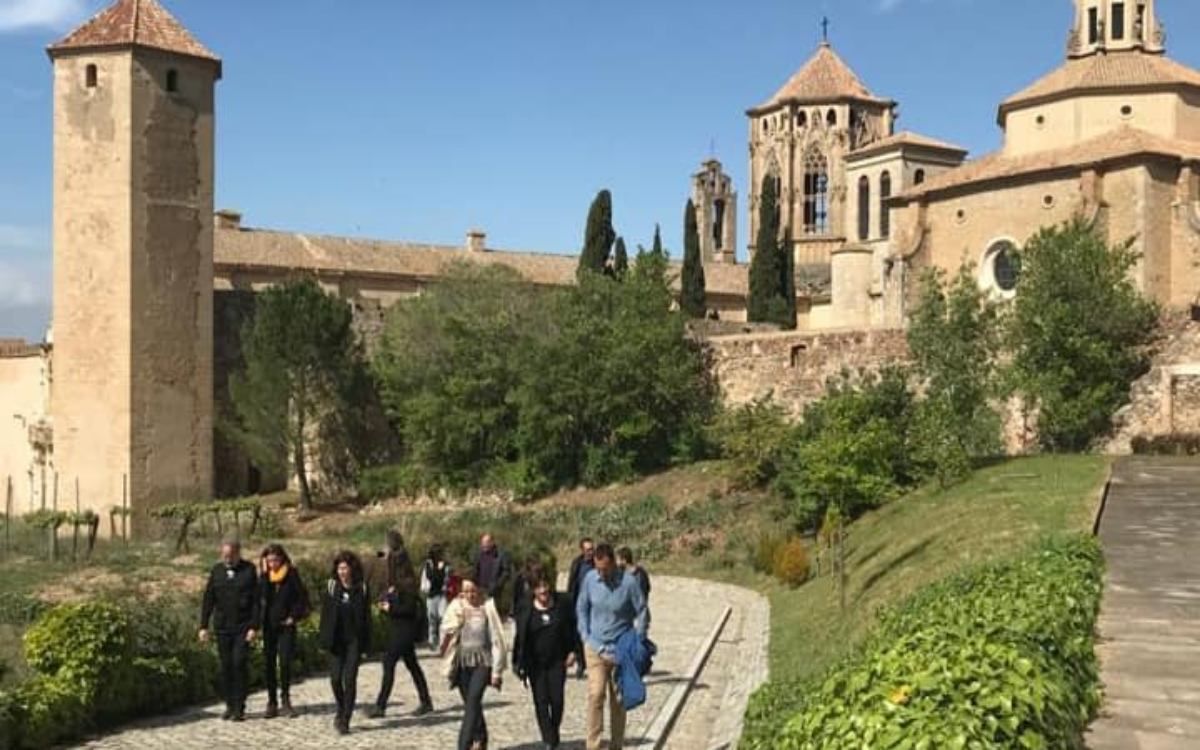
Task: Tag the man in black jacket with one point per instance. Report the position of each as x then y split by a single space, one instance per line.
580 566
231 601
492 568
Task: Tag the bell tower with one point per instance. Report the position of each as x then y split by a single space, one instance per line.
716 212
133 259
1103 26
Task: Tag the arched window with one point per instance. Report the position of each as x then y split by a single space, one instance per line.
172 80
885 192
801 119
864 208
831 118
1117 21
90 76
766 125
918 176
816 193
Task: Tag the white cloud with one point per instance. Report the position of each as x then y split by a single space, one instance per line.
17 15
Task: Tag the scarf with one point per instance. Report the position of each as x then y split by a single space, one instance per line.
277 576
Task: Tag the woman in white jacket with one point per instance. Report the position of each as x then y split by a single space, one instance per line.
474 654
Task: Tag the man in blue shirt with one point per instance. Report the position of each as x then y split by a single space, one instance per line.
610 604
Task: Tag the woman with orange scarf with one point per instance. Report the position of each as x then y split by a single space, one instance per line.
284 604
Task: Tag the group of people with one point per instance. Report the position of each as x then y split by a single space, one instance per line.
598 626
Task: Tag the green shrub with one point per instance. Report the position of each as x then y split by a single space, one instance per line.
1177 444
393 480
791 562
47 710
752 438
1001 656
19 609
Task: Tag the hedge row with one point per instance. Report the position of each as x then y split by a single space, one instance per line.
98 663
1002 656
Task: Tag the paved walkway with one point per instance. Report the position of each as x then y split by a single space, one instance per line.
1150 618
685 611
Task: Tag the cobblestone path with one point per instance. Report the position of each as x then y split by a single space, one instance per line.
684 612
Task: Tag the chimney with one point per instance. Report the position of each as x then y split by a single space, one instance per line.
227 218
476 241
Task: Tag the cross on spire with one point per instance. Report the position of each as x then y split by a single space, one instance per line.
825 29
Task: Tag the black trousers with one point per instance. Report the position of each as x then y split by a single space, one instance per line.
472 682
343 676
547 684
235 661
279 649
402 649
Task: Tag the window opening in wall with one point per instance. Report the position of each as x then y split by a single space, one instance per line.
831 118
172 80
1118 20
816 193
1005 264
1048 201
918 176
797 351
766 126
1139 23
885 192
718 225
1126 111
801 119
1040 120
90 76
1093 25
864 208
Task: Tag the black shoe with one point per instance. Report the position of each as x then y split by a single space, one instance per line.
288 711
272 711
239 716
426 707
374 712
343 727
228 714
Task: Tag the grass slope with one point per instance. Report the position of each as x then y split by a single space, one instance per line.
922 538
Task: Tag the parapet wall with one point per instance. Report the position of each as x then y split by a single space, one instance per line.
793 366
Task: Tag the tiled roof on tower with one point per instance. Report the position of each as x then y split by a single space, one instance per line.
824 78
134 23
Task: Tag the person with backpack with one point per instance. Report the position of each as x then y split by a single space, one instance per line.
345 632
231 602
284 604
402 605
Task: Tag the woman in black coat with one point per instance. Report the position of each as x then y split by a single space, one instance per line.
404 609
545 649
345 632
284 605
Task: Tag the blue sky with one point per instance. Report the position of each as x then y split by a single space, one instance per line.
402 119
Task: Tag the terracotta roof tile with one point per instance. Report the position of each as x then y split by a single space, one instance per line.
1117 70
135 23
906 138
824 78
286 251
1123 142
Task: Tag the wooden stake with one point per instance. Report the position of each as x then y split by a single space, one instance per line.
125 508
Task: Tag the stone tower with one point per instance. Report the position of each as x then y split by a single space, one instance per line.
716 213
800 138
133 259
1114 26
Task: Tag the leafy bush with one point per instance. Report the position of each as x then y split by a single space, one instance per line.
766 547
791 562
1078 332
1001 656
1178 444
753 439
851 451
393 480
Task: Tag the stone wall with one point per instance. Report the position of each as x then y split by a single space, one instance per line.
1166 400
25 456
793 367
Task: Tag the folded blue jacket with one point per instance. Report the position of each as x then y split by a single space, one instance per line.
634 654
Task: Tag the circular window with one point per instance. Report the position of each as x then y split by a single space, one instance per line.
1041 120
1002 267
960 216
1047 201
1127 111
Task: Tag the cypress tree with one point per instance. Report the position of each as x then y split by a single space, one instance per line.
657 247
599 235
788 262
765 272
620 259
691 296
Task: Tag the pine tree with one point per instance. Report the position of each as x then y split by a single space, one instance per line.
765 272
691 296
599 235
620 259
